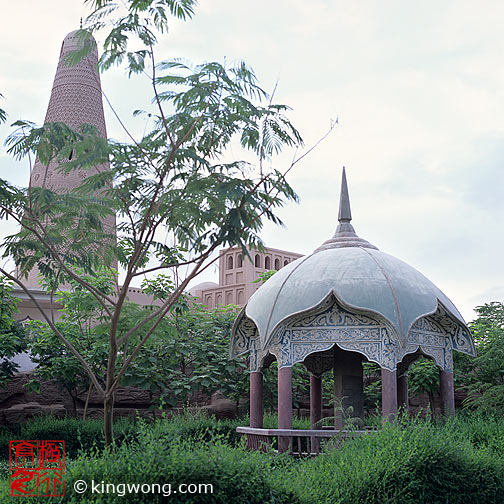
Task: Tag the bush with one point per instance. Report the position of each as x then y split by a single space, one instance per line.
199 427
402 464
77 434
235 475
412 461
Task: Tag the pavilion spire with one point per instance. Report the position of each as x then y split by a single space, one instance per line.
345 235
345 214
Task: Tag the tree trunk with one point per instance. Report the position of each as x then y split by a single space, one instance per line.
108 420
74 401
87 401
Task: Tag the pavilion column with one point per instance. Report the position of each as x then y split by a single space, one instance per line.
447 392
284 405
348 385
402 392
389 394
256 399
315 409
315 400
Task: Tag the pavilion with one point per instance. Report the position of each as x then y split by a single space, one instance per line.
346 303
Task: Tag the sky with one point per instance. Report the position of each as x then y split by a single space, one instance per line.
417 89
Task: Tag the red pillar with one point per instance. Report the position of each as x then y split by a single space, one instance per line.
389 394
256 399
315 409
402 392
447 392
315 400
284 405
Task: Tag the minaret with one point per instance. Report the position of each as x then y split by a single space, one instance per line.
76 99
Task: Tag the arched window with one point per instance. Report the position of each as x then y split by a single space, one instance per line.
277 264
239 261
230 262
267 263
218 299
229 298
286 262
257 261
241 298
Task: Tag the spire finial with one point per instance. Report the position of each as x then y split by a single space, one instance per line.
345 235
345 215
81 23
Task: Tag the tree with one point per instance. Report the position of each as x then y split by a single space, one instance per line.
176 178
484 375
84 323
423 377
3 114
187 352
264 276
12 333
190 355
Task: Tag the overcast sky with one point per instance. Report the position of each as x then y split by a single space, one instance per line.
417 87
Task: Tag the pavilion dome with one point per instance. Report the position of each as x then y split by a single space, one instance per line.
360 279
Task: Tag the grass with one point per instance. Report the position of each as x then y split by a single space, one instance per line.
455 461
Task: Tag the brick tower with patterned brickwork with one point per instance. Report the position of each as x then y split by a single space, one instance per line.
76 99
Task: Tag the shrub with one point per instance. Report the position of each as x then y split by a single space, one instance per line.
401 464
235 475
199 427
77 434
413 461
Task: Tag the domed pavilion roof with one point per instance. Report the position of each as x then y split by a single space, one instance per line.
361 279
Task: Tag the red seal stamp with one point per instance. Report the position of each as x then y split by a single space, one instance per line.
36 468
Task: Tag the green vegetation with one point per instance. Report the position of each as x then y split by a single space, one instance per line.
12 334
484 376
187 351
411 461
176 181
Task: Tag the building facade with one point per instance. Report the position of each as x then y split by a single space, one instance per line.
238 273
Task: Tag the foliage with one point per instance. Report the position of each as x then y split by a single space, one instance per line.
403 463
177 179
484 375
83 322
264 276
190 355
423 377
188 351
79 435
3 114
12 333
372 385
460 460
235 474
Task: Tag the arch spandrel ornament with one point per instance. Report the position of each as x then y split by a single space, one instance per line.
306 334
319 363
244 332
461 339
329 324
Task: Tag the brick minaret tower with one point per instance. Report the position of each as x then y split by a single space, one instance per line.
76 99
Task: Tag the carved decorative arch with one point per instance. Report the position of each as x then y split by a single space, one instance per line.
303 335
